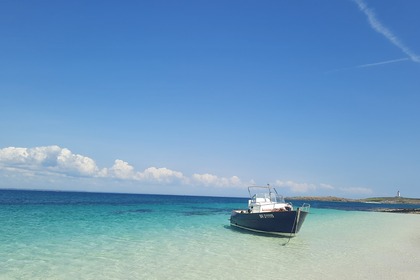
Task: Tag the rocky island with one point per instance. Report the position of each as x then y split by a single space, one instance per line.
376 200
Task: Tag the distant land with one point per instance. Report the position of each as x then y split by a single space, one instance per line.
389 200
378 200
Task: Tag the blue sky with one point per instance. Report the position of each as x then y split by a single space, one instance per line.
207 97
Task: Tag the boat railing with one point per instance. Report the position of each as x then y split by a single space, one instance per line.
305 207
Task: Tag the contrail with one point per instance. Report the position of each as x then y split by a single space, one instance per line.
380 63
378 27
369 65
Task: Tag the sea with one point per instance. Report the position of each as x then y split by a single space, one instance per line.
79 235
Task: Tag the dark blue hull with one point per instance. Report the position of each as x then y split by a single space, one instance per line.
286 222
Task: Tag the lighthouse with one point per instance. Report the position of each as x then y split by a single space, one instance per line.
398 194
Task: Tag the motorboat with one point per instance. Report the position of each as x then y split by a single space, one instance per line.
268 212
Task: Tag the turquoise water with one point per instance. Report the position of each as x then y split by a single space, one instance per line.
58 235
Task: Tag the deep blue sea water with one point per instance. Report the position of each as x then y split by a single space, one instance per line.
61 198
76 235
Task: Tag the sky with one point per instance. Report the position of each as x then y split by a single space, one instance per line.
207 97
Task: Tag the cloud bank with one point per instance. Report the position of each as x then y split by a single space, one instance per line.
51 158
304 188
55 164
61 161
381 29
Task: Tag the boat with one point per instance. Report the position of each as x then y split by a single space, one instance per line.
269 213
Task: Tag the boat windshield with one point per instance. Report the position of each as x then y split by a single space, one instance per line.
268 197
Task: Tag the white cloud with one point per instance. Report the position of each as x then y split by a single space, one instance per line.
303 187
121 170
34 156
206 179
69 162
61 166
160 175
56 161
49 158
296 187
326 186
357 190
213 180
380 28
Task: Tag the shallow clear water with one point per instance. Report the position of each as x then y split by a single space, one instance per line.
60 235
